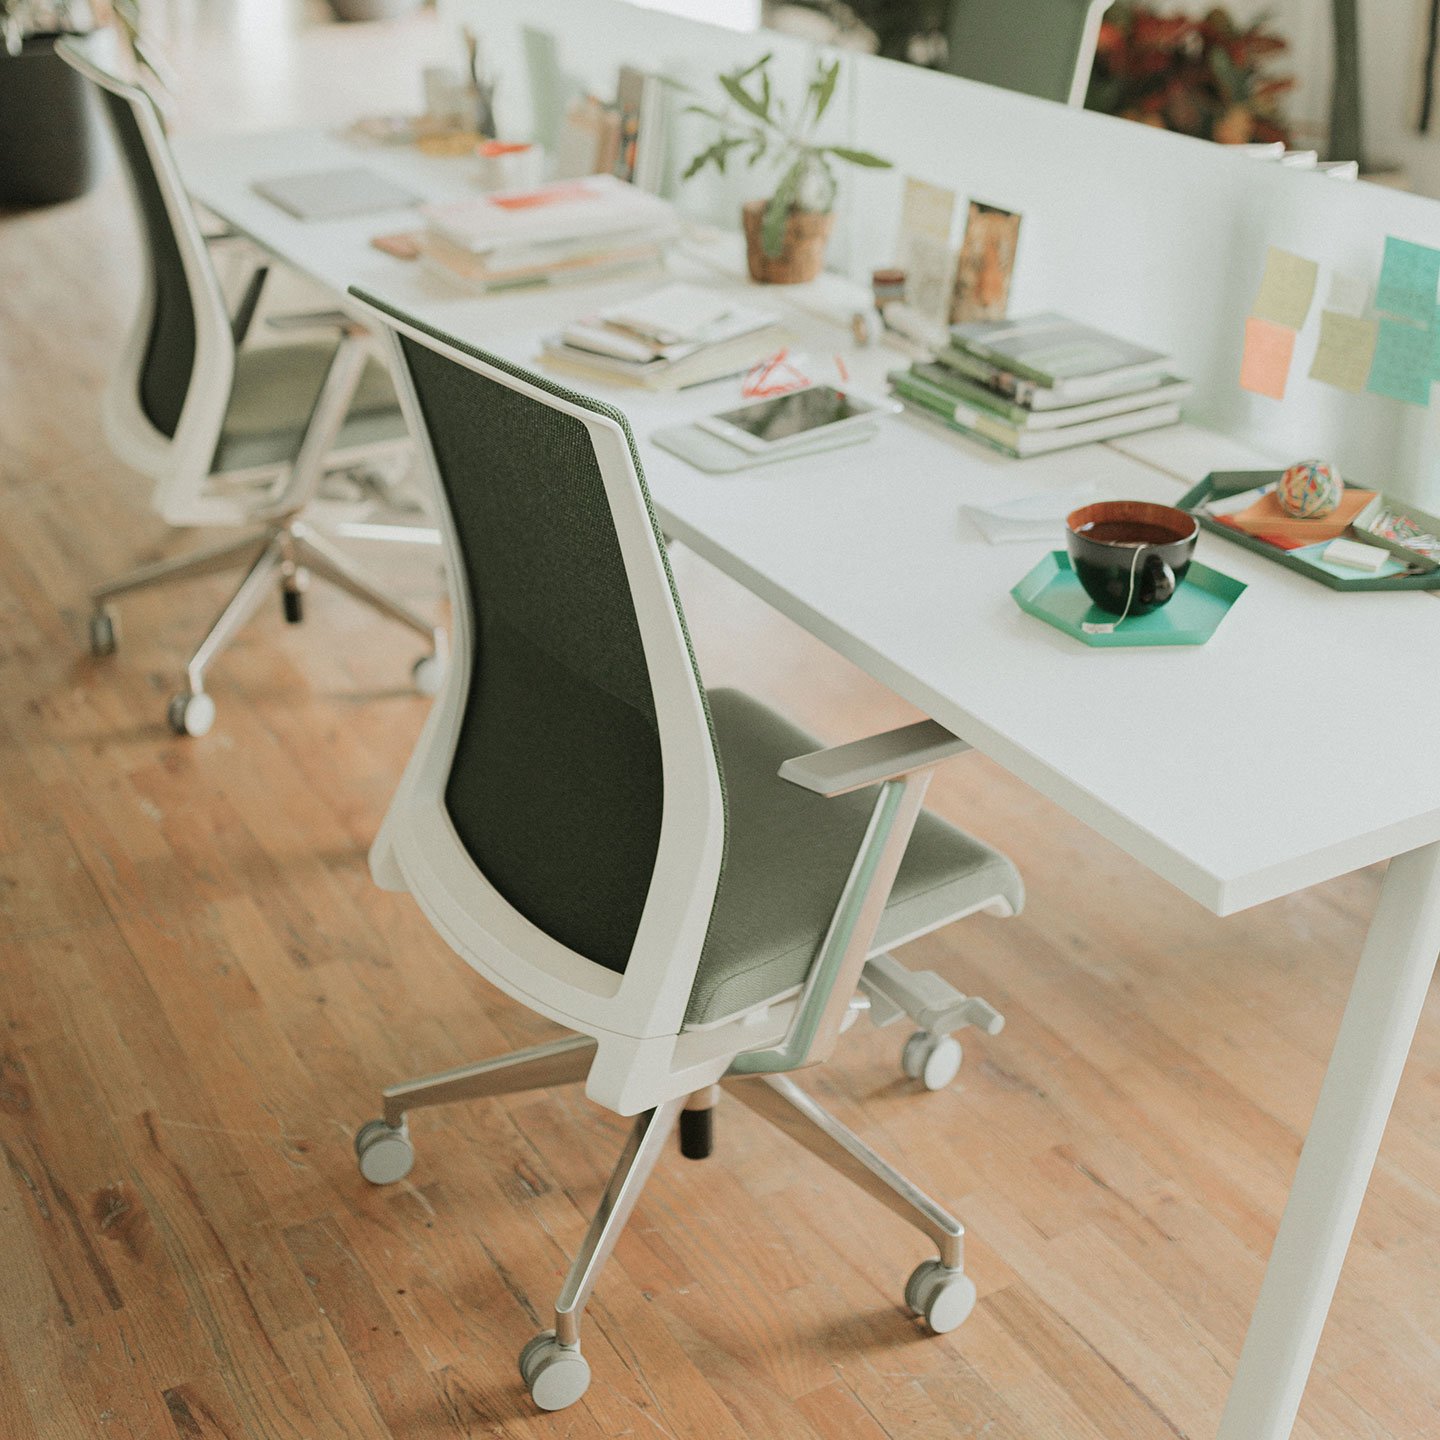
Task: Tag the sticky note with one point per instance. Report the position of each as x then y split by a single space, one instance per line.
1402 365
1408 281
1347 346
1266 366
1347 294
1286 290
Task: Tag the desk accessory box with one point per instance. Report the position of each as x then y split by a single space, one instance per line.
1220 483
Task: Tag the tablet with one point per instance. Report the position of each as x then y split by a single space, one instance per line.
775 423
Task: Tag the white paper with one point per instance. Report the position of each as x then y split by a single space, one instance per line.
1039 516
1348 294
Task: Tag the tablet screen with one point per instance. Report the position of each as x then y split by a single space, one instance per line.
795 414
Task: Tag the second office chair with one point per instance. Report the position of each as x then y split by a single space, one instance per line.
231 435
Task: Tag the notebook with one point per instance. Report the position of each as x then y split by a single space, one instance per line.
334 194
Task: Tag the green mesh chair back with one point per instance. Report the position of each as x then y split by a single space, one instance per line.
555 788
169 359
1038 47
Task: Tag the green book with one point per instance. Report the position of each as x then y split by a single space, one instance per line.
1015 441
964 391
1052 353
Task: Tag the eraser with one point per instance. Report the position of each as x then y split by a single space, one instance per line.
1355 556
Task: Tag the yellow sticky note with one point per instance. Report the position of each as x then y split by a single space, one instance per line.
1347 346
1268 349
1287 288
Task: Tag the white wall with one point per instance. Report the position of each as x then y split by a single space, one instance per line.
1155 235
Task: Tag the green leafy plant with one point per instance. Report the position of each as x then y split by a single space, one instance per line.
759 125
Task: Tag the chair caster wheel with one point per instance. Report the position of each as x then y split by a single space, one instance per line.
384 1152
556 1375
934 1060
428 674
943 1298
102 634
294 606
191 714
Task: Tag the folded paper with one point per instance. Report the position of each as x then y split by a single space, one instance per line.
1347 346
1408 281
1268 351
1402 368
1286 290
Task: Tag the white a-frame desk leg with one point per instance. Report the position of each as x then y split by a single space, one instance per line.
1375 1034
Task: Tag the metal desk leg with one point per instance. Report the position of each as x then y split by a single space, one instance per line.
1386 998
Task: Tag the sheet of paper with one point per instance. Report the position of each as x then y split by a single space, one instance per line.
927 216
1402 368
1347 294
927 210
929 275
1347 346
1408 281
1286 289
1268 349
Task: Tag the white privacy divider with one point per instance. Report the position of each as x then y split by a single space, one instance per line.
1156 236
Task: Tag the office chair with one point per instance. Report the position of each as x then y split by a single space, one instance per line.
231 435
1038 47
680 879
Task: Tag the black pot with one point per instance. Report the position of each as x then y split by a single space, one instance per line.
50 141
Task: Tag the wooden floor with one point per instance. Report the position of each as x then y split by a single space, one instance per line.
201 993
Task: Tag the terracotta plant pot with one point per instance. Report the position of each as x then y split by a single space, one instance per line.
801 257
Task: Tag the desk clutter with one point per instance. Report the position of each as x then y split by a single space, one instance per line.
676 336
1365 541
564 230
1030 386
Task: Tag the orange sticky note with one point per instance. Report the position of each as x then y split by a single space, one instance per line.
1268 350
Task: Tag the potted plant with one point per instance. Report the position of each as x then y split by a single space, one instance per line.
787 232
1209 76
49 129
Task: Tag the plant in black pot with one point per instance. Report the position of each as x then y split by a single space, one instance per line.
49 129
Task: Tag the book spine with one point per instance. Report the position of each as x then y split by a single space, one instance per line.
970 392
998 437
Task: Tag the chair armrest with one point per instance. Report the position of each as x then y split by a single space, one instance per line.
314 320
861 763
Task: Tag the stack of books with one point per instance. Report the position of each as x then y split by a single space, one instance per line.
1030 386
671 338
566 230
626 138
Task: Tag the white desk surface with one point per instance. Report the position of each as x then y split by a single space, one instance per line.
1297 745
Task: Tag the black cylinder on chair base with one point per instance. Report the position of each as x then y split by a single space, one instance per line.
697 1133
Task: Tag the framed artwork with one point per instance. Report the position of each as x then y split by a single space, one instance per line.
986 263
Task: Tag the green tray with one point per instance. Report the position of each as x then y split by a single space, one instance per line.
1052 593
1233 482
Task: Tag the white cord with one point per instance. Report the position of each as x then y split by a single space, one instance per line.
1108 628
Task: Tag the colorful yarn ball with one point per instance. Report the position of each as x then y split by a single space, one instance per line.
1310 489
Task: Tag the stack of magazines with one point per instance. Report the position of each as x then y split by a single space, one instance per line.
673 337
1043 383
567 230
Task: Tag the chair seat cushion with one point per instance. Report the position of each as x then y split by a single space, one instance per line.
788 854
275 390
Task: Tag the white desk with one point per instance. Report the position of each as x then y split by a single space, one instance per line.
1182 757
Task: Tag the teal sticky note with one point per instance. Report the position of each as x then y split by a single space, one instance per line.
1403 364
1408 281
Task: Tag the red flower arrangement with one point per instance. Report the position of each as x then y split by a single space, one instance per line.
1208 77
